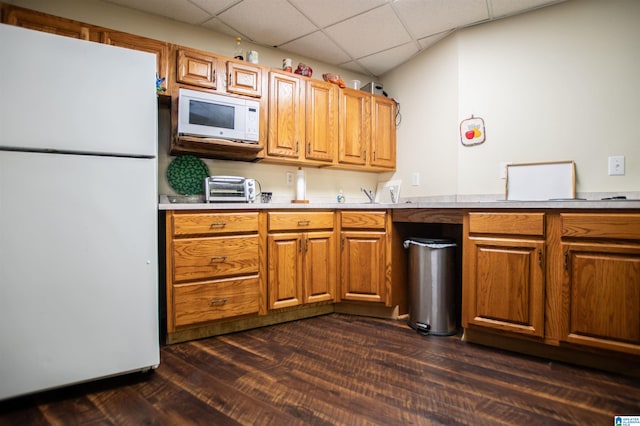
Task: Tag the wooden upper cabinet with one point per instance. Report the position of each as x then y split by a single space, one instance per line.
321 120
244 79
196 68
286 115
130 41
355 127
383 136
48 23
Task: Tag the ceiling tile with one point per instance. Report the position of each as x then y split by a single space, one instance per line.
355 67
427 17
179 10
370 32
427 42
508 7
269 23
380 63
318 46
214 6
218 26
328 12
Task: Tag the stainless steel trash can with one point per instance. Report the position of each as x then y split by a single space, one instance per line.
432 285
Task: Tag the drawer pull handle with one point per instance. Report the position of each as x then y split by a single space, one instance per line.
217 259
304 222
218 225
217 302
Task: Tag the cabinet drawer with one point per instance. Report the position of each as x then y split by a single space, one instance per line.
201 258
196 303
612 225
295 221
214 223
362 220
507 223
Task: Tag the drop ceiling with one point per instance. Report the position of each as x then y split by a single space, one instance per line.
366 36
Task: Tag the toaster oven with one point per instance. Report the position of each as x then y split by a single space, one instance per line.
229 189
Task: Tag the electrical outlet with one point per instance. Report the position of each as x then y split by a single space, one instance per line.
616 165
289 178
415 179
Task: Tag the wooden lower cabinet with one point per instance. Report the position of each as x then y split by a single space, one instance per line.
504 272
364 260
601 281
506 288
568 282
301 265
212 267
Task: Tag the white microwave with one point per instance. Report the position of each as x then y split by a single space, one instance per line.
217 116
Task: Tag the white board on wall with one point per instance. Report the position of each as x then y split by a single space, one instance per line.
541 181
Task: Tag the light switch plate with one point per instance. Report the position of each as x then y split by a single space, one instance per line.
616 165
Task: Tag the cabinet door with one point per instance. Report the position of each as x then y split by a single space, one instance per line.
47 23
284 252
196 68
362 266
505 285
601 296
355 127
321 120
286 116
319 265
244 79
130 41
383 137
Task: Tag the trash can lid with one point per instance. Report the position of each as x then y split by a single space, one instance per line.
429 242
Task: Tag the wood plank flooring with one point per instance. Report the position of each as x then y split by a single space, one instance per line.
337 370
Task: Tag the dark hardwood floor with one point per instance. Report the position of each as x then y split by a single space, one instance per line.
337 370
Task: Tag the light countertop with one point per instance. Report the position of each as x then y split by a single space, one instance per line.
165 204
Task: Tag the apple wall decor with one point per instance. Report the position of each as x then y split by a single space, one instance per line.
472 131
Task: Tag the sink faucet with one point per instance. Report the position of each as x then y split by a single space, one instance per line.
370 194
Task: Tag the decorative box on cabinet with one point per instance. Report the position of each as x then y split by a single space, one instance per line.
301 251
212 267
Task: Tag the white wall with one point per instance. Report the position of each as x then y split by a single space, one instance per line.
559 83
427 90
322 185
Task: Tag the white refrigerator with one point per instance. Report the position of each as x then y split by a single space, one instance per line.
78 211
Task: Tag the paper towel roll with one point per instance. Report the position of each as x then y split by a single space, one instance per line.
301 185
